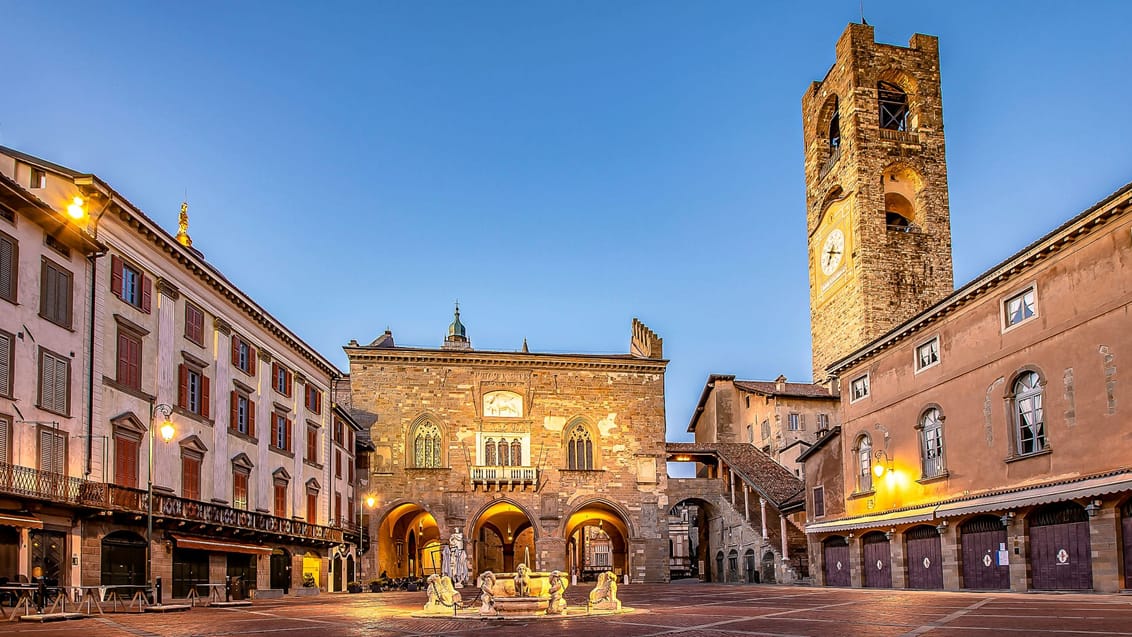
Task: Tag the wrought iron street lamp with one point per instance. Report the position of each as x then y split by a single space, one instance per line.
167 432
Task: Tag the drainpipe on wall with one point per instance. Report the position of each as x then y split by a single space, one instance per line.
93 258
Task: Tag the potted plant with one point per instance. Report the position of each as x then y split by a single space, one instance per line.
308 580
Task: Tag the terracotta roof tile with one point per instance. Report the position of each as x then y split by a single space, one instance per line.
771 479
797 390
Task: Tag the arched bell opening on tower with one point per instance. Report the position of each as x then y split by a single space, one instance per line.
901 190
893 106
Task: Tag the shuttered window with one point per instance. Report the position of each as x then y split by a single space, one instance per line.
193 390
54 382
243 355
7 361
313 399
282 379
312 445
126 461
338 508
9 260
242 418
194 324
130 284
312 507
337 464
129 359
280 431
6 439
240 489
52 451
280 499
190 476
55 294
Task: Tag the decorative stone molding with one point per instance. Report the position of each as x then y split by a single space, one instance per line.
166 288
130 325
264 355
222 326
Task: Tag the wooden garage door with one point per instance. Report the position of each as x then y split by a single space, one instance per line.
981 539
835 559
876 560
1059 548
925 557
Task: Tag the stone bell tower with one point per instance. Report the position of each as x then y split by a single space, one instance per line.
876 192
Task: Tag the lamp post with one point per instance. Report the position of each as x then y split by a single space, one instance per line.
167 432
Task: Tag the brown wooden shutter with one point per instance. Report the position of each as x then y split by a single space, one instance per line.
252 362
289 383
182 386
146 293
288 433
116 275
204 394
274 430
123 359
234 419
235 351
251 418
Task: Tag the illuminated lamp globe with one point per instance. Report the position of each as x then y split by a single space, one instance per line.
167 431
75 209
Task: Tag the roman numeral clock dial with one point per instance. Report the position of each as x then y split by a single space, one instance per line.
832 252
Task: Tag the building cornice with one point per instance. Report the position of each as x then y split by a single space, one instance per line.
476 358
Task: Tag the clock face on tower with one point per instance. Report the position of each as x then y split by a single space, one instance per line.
832 251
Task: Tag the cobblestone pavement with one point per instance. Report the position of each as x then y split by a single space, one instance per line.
686 610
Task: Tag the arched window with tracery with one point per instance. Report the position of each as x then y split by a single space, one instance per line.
516 453
893 103
1029 419
426 445
580 448
504 453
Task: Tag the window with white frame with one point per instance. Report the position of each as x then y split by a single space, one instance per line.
794 421
1029 418
864 464
1021 307
823 422
859 388
927 354
931 443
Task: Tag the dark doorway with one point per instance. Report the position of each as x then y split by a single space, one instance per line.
350 570
190 567
768 568
47 550
719 573
1059 548
925 557
749 567
281 570
835 561
9 553
243 567
337 568
876 560
123 559
982 538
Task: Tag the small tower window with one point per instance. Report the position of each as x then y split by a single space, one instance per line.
835 128
893 106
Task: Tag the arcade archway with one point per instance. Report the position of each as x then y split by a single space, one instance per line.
503 538
596 541
408 543
689 532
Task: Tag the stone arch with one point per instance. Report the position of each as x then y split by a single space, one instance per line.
474 519
617 508
903 188
699 537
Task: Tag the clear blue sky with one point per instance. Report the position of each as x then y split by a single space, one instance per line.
560 167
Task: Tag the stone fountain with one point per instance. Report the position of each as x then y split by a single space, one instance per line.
522 594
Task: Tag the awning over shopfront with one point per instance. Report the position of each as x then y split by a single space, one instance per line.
219 546
23 521
907 516
1091 487
1088 488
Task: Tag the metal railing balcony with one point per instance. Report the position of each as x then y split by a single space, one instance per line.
504 476
59 488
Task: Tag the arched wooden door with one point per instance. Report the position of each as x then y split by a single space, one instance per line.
749 567
981 538
835 561
876 560
1060 554
925 557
